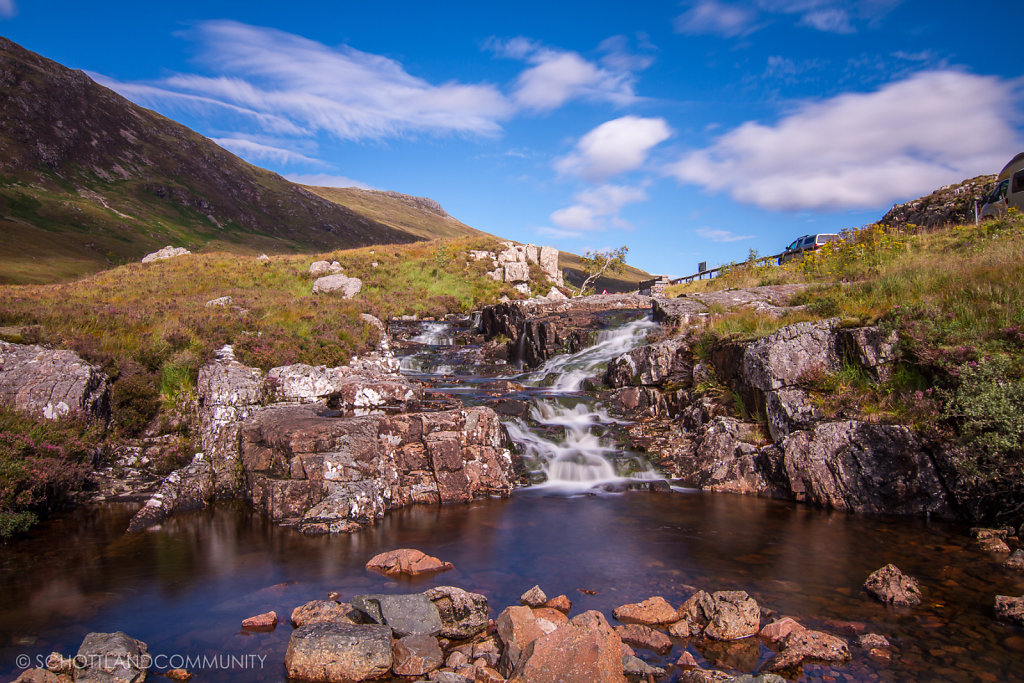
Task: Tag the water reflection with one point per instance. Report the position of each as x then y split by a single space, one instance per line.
185 588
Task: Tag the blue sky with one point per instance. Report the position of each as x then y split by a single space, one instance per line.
688 131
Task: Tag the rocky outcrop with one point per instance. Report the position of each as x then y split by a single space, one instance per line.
51 383
694 308
512 264
864 467
949 205
538 329
333 474
165 253
345 387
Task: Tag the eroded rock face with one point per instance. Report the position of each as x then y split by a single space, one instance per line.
334 474
892 586
330 652
111 658
864 467
670 360
51 383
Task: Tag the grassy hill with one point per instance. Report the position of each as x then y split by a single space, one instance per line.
89 180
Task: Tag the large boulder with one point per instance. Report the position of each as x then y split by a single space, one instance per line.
791 354
331 652
51 383
585 649
406 615
346 287
892 586
111 658
862 467
165 253
722 615
517 627
463 614
406 562
334 473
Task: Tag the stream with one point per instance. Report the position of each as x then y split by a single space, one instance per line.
597 524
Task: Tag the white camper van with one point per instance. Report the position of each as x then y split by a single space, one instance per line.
1009 191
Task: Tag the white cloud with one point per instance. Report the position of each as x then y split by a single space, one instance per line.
721 235
597 209
557 76
865 150
250 150
829 20
717 18
614 147
7 9
327 180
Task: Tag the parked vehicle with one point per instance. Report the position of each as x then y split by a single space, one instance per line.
1009 190
806 243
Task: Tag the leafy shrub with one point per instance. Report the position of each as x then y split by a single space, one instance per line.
988 405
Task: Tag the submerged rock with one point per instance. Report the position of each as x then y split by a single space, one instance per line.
261 622
891 586
1010 609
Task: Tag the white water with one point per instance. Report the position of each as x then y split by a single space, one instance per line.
581 458
434 334
566 372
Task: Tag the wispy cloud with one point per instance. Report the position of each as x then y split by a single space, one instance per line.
327 180
597 209
721 235
251 150
717 18
614 147
743 17
556 76
865 150
7 9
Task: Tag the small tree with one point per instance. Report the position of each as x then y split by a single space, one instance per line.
443 255
597 263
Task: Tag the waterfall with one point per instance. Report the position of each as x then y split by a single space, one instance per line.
569 445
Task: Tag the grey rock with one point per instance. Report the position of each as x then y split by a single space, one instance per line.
735 615
111 658
219 301
548 260
406 615
861 467
229 393
331 652
869 347
670 360
51 383
534 597
346 286
871 641
322 268
463 614
1016 560
788 411
634 666
165 253
787 356
517 272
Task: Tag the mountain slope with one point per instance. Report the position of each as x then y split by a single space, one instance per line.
416 215
89 179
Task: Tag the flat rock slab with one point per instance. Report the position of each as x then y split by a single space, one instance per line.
326 653
406 615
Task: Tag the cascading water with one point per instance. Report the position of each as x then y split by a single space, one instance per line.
434 334
582 456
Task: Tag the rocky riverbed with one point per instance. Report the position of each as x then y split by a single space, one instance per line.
613 439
